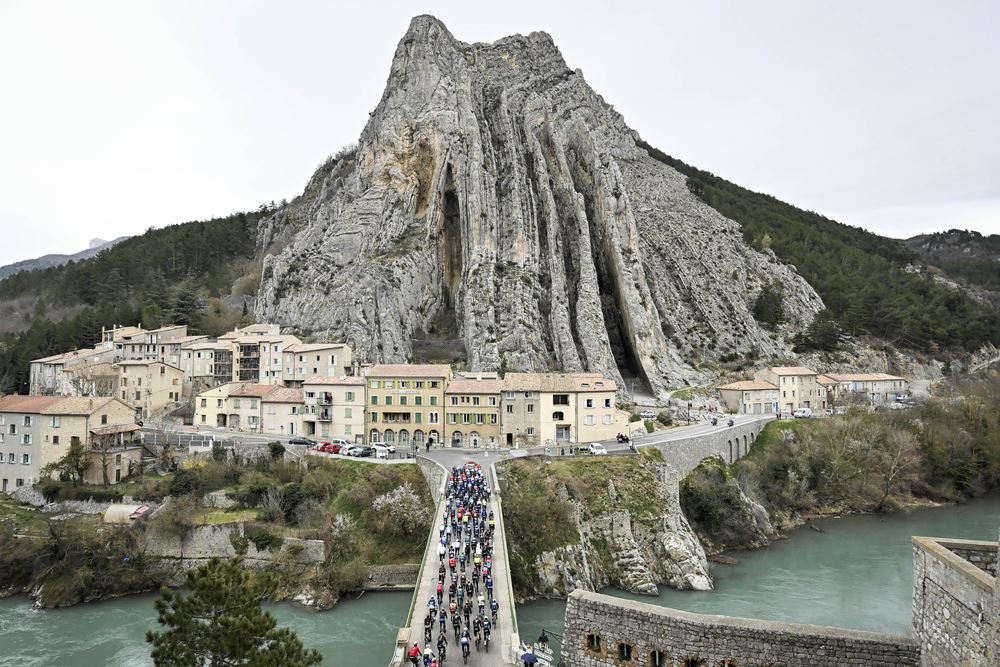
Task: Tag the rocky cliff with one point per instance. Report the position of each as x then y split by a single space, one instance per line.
625 529
495 195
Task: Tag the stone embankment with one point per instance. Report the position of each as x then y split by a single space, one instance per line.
601 630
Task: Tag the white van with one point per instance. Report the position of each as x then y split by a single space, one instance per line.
802 412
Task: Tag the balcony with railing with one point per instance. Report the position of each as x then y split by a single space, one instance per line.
324 415
324 399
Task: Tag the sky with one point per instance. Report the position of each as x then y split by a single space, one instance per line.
120 116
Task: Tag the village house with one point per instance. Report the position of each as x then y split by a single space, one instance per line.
38 430
797 385
334 407
149 385
281 411
405 403
554 408
750 397
872 387
307 360
472 411
53 375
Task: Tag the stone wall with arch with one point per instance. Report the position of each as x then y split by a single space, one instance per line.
728 442
603 631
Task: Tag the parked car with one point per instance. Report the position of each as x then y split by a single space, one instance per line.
647 414
581 449
341 448
802 413
362 451
381 452
339 441
388 446
898 406
302 441
597 448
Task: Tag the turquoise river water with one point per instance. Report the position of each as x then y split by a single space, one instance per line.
857 574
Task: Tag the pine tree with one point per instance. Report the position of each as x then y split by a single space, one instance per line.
220 623
187 303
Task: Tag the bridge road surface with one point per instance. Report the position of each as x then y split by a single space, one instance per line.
501 639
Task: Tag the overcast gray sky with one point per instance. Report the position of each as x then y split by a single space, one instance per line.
119 116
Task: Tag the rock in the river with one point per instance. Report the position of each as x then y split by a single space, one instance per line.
495 198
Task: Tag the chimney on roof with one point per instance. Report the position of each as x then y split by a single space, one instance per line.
91 404
479 376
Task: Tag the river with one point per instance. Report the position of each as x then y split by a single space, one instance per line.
857 574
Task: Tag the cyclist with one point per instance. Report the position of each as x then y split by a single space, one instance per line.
442 642
415 654
465 642
477 627
444 620
495 608
489 586
486 634
482 604
428 655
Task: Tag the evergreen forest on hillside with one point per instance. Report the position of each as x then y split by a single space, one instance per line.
984 271
165 276
860 276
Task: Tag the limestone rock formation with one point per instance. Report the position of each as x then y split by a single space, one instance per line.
632 553
495 195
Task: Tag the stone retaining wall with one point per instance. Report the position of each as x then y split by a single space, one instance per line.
202 542
728 442
392 576
955 604
435 474
600 631
980 554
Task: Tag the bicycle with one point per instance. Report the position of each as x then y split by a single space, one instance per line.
465 651
477 642
486 639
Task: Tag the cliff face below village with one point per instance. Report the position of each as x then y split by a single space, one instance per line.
624 527
495 198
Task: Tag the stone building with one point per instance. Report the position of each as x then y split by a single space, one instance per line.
149 385
281 411
21 419
554 408
750 397
472 412
308 360
797 385
405 403
334 408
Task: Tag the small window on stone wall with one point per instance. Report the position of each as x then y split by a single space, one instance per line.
693 661
624 651
594 643
658 659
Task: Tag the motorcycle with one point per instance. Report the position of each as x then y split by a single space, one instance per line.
715 422
623 438
730 422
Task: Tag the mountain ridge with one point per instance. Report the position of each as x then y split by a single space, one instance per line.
46 261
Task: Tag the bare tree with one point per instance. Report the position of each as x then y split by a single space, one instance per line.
93 379
163 430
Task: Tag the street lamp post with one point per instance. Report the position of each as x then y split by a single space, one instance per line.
689 412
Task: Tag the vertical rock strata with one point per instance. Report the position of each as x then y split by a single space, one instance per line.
495 193
630 552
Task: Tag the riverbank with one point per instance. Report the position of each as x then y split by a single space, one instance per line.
858 463
327 528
